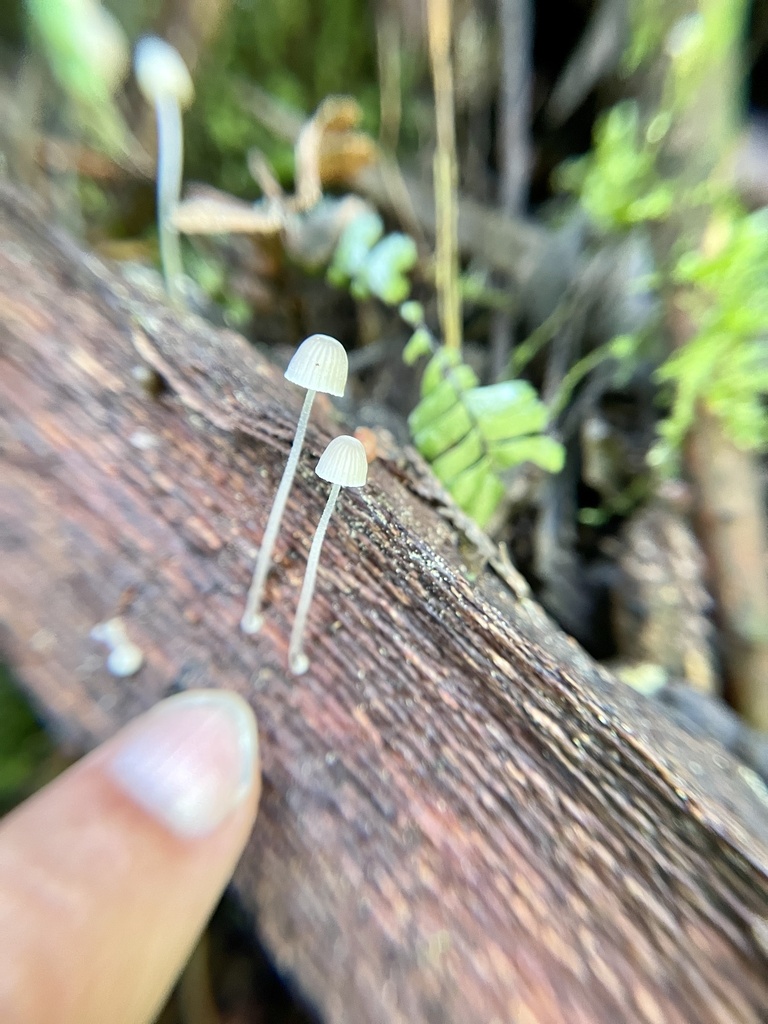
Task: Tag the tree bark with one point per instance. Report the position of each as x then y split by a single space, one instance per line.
463 818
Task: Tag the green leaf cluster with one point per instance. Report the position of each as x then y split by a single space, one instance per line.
722 286
371 265
725 364
617 182
472 434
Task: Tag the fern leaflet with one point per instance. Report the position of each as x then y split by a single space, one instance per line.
470 434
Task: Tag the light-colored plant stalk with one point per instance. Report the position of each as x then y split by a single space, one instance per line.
169 171
445 174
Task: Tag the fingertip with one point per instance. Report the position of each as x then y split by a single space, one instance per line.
190 761
108 875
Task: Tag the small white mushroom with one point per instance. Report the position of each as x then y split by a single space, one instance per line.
165 82
124 658
343 464
318 364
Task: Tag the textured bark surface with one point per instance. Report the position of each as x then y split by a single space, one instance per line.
463 819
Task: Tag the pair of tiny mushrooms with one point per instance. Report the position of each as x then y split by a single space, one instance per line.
319 364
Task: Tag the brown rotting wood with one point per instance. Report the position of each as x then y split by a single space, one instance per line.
463 818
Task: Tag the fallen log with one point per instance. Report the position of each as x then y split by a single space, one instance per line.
464 819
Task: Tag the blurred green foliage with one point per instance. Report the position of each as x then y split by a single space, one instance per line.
617 182
695 44
299 51
24 746
720 282
725 364
88 54
369 264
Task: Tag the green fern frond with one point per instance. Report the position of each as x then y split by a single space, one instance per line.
471 434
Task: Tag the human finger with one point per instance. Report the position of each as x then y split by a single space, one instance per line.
108 875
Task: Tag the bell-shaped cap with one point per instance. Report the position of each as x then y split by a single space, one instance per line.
319 364
161 71
343 462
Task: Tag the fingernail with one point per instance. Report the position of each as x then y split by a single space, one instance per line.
190 760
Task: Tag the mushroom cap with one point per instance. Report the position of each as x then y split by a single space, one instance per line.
319 364
161 71
343 462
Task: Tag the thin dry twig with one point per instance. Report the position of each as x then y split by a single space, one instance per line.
445 173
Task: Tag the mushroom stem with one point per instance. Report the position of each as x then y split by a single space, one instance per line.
252 621
170 152
297 659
